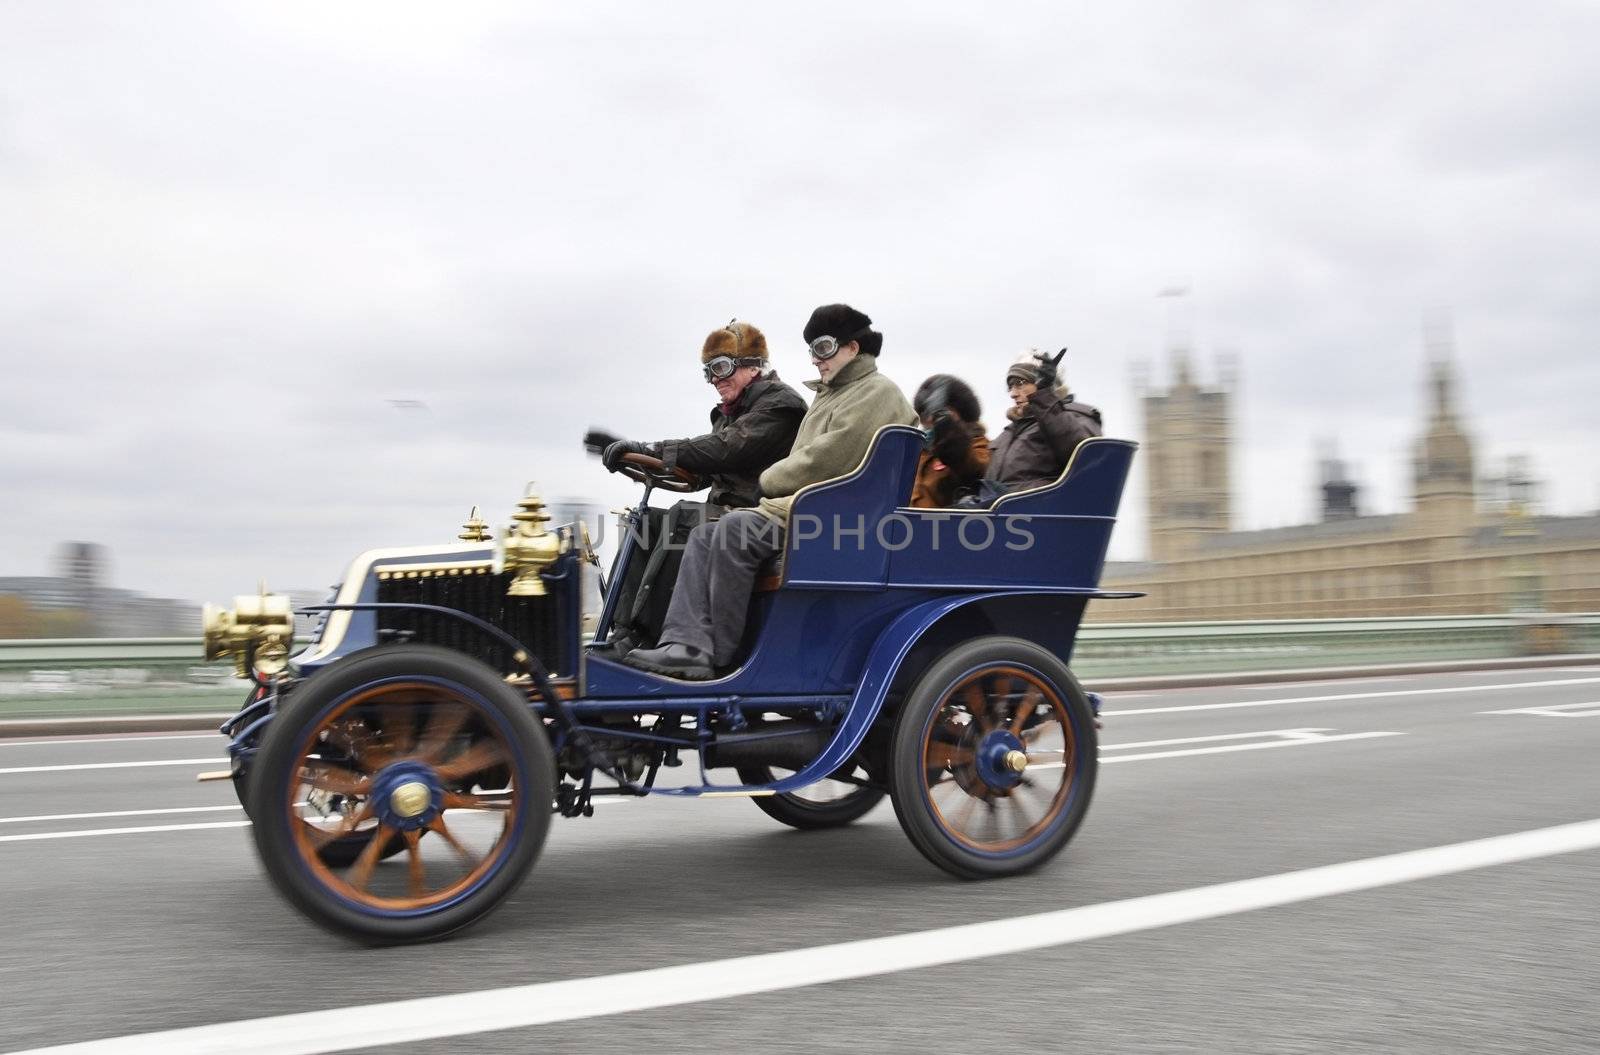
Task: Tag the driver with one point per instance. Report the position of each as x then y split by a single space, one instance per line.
752 426
706 618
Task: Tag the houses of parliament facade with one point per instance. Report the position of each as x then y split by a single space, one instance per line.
1449 554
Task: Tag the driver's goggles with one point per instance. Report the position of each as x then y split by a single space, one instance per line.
723 366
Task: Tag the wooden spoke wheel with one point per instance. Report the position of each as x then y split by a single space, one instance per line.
412 751
828 803
341 850
993 758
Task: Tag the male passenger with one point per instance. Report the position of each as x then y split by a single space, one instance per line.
706 618
1047 424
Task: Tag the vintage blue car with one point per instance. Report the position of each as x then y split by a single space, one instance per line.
450 703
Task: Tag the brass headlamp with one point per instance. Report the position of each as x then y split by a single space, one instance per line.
527 548
257 632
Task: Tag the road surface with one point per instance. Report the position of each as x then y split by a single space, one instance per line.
134 903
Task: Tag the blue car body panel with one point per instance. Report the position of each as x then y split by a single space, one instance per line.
864 579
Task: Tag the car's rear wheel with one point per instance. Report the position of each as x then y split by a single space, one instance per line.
828 803
411 741
993 758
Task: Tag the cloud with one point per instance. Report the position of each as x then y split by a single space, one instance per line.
235 232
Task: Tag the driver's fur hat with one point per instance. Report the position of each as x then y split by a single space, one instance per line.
737 340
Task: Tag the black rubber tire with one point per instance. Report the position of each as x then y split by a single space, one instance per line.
799 813
907 780
533 765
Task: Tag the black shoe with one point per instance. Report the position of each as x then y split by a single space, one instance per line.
674 661
618 646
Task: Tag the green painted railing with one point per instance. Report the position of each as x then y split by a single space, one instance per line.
1137 649
167 675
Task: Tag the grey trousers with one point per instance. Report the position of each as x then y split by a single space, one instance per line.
712 597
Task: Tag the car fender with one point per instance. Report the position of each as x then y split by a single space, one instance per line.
888 652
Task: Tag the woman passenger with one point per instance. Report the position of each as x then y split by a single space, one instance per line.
957 451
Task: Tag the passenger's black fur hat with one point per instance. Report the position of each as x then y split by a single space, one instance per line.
958 396
845 324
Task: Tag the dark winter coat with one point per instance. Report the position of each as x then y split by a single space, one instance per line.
758 431
951 468
1035 447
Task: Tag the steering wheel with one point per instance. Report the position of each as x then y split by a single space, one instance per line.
645 469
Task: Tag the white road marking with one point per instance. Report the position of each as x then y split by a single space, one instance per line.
1274 686
34 836
1298 737
1556 710
1259 746
73 741
122 831
541 1003
1541 670
1297 733
1345 696
1284 738
117 765
116 813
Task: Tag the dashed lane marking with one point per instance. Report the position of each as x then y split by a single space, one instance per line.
74 741
84 833
1388 694
116 813
116 765
1556 710
196 827
1291 733
1259 741
1303 741
1220 744
377 1026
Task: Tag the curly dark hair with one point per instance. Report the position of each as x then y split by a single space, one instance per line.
958 396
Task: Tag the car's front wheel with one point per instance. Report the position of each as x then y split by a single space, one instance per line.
417 744
339 852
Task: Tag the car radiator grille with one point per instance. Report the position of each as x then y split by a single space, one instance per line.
534 621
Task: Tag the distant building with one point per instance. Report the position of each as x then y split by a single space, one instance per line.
123 613
85 565
1338 492
1445 556
48 593
80 586
1188 436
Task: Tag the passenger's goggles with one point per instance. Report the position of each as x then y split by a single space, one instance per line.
825 347
723 366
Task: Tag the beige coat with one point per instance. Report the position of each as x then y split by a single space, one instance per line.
848 410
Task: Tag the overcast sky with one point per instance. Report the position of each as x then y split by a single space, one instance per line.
231 234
